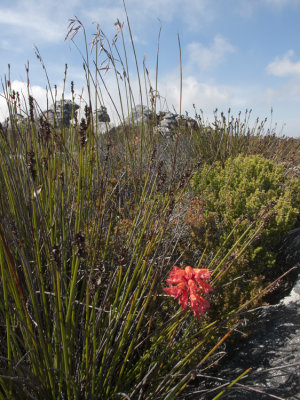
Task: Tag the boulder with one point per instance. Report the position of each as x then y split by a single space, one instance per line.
101 115
62 111
168 123
140 114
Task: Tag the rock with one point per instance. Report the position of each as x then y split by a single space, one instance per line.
49 115
62 111
290 250
140 114
188 122
101 115
168 123
102 119
273 351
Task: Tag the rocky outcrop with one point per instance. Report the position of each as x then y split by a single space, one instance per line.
102 120
62 112
273 351
101 115
167 123
170 123
140 114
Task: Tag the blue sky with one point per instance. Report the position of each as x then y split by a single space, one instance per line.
242 54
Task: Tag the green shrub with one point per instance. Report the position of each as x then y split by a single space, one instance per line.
250 204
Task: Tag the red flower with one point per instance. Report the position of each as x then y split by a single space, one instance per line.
190 284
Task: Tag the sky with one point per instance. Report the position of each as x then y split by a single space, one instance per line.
237 54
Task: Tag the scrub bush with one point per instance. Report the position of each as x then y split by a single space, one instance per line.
249 200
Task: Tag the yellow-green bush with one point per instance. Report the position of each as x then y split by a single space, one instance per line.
249 194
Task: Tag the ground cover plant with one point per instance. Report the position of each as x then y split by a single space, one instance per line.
244 194
102 296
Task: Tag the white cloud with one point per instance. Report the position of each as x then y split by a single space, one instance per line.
5 44
206 58
42 21
28 22
284 66
40 95
37 19
142 14
204 95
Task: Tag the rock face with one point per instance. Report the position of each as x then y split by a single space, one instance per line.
274 351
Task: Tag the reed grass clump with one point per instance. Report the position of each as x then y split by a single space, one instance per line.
90 227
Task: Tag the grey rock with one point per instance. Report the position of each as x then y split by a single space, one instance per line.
168 123
49 115
164 131
273 352
140 114
290 249
104 127
189 122
62 112
101 115
102 120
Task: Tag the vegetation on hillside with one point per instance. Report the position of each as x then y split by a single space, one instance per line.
92 224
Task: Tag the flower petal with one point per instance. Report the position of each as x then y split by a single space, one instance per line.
205 287
184 300
202 273
176 275
189 272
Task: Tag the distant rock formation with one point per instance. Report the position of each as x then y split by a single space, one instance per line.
139 114
167 122
62 111
102 120
101 115
170 123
